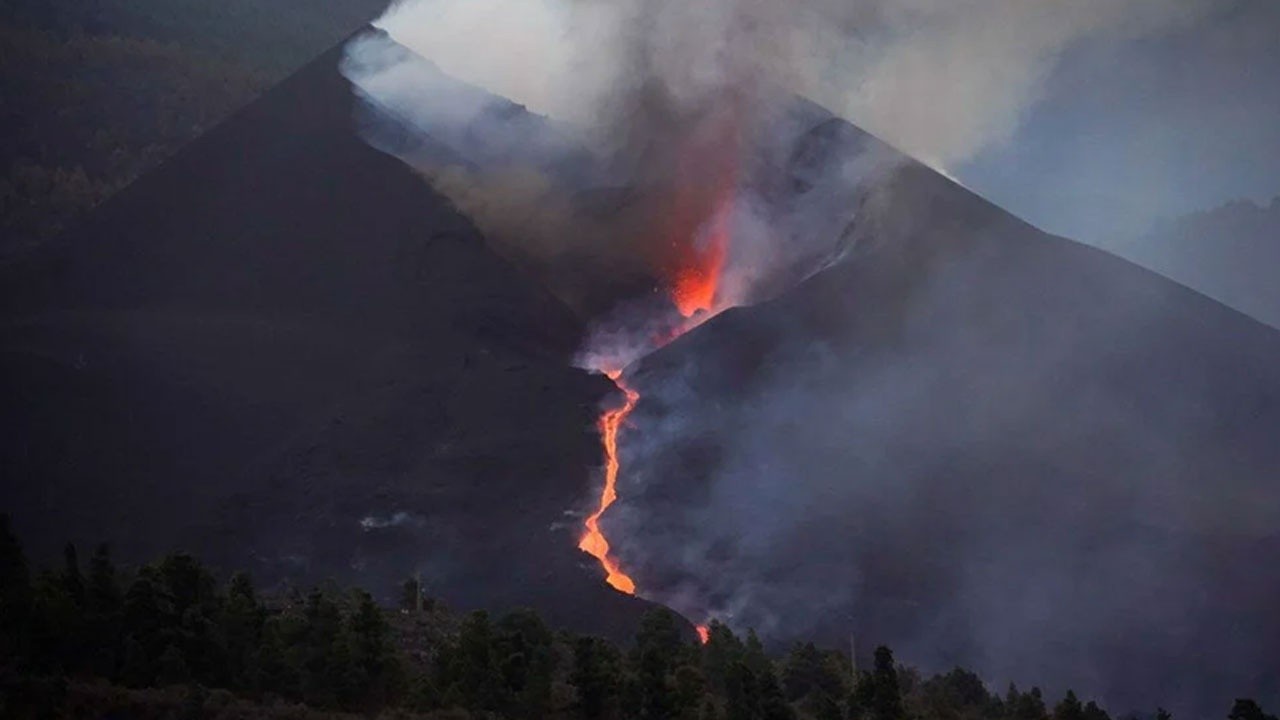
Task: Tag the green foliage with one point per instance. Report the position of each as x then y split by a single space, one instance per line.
172 624
476 679
742 696
722 650
660 649
527 662
597 675
808 672
877 695
958 694
15 594
773 705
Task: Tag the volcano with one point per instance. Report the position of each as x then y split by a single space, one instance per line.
963 437
281 350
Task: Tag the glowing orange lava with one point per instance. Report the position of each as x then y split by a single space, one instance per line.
697 222
704 634
699 218
593 541
694 287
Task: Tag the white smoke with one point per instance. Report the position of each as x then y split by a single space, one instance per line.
940 79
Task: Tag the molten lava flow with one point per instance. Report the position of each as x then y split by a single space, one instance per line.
696 220
593 541
704 634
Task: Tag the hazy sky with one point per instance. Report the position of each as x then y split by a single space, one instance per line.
1130 131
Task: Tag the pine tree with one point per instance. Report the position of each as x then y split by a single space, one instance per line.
754 655
742 695
104 614
172 668
241 626
877 695
272 669
660 648
825 707
104 596
773 705
478 680
373 654
148 619
15 593
1093 712
690 686
1031 705
809 671
597 675
1069 708
523 644
136 670
1248 709
722 649
802 671
72 581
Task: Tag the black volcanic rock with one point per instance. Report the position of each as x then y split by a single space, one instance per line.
283 351
980 444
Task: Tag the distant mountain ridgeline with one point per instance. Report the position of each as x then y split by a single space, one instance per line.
96 93
101 642
1229 253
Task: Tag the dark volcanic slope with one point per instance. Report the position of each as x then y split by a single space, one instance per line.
284 351
981 444
1230 253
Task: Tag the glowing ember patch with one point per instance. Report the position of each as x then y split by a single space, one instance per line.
704 634
593 541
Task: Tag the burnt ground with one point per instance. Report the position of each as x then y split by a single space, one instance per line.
281 350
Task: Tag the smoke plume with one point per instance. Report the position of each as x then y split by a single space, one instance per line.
939 79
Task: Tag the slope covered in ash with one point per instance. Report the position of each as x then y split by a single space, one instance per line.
979 443
284 351
1229 253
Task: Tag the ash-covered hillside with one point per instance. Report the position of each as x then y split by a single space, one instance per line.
980 442
1228 253
282 350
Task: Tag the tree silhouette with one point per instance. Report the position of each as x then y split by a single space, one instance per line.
1248 709
597 675
15 593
